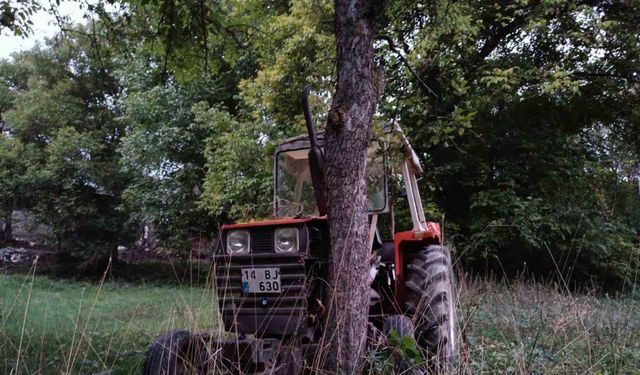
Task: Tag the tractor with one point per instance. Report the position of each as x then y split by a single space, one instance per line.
271 276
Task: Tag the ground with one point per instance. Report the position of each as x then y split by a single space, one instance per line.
55 326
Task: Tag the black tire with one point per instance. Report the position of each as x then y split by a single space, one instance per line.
403 326
399 323
174 353
432 300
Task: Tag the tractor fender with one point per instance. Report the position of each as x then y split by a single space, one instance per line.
402 242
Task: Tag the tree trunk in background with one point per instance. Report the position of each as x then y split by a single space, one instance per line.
347 138
113 247
6 226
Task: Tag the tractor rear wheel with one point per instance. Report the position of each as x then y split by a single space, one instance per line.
174 353
431 298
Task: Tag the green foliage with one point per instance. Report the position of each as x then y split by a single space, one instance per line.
525 115
164 151
13 168
58 106
299 50
67 173
406 345
42 109
16 16
238 181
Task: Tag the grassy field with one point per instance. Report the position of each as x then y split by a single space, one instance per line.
53 327
529 328
63 327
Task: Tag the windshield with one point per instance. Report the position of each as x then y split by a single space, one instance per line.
294 190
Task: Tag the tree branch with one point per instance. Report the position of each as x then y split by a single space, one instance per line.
203 19
607 75
493 40
392 47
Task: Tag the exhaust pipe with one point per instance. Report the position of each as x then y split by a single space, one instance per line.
316 158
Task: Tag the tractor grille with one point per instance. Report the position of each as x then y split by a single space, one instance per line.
262 240
262 313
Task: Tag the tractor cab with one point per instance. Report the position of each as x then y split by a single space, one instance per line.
272 276
294 194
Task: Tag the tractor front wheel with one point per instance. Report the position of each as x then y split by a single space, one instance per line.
403 326
174 353
431 298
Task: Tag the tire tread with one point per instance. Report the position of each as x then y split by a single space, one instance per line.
429 288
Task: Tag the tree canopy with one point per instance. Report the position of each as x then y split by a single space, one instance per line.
525 114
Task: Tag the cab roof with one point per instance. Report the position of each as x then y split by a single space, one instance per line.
299 142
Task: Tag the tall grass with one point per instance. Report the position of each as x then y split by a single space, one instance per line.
531 328
63 327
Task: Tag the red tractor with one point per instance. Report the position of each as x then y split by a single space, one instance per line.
271 276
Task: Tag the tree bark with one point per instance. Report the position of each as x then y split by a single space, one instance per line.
6 226
347 139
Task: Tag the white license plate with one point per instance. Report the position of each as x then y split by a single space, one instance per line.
261 280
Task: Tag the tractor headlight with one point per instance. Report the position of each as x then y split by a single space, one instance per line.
286 240
238 242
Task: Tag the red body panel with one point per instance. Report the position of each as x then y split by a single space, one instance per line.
432 234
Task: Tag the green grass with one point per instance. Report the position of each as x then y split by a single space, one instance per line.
529 328
53 327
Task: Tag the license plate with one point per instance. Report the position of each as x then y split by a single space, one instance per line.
261 280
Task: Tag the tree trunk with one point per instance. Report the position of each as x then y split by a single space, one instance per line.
113 247
347 138
6 226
